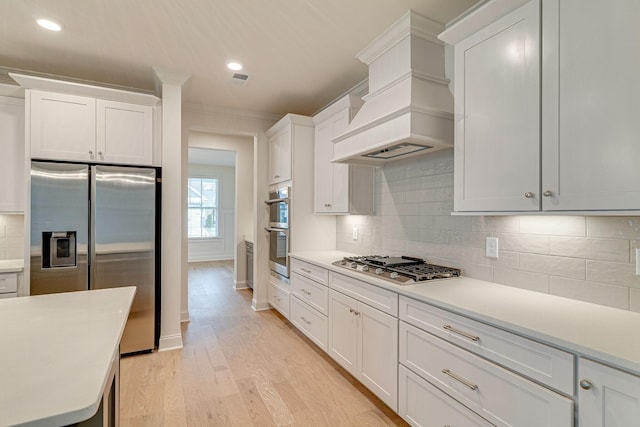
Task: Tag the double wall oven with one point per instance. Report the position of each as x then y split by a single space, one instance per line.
278 229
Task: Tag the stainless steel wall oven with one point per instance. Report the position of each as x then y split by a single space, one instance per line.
279 230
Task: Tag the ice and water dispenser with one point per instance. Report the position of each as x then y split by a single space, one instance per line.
59 249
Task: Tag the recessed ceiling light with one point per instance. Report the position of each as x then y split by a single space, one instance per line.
49 24
235 66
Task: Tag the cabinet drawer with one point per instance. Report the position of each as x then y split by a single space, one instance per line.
542 363
310 322
422 404
496 394
9 295
314 294
319 274
8 283
382 299
279 299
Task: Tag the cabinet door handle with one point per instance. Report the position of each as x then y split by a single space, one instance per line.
548 193
276 176
586 384
458 378
529 195
305 320
459 332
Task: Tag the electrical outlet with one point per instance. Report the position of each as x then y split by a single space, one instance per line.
355 233
637 262
491 249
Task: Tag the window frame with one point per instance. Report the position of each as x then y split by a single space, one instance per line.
216 208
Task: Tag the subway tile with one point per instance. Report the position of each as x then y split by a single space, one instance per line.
597 293
3 254
428 250
634 300
443 161
616 250
553 265
436 208
634 244
496 224
444 194
392 172
450 222
3 231
523 243
479 272
613 273
521 279
553 225
466 238
433 236
613 227
14 253
417 196
422 221
506 259
393 198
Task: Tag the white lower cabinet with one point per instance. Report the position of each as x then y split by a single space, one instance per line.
363 340
607 397
500 396
8 285
422 404
279 297
312 323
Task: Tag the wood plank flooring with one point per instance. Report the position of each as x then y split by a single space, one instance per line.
241 368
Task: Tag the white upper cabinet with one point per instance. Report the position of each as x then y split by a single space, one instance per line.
590 104
339 188
62 126
78 122
124 133
280 156
548 127
12 158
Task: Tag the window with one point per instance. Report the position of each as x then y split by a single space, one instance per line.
202 216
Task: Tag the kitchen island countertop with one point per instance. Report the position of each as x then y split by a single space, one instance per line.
600 333
57 352
11 265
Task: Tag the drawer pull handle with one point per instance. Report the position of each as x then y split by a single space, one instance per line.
459 332
305 320
586 384
469 384
356 312
303 290
305 270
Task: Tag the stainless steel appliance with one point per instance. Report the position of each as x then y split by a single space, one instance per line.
279 230
279 207
402 270
94 227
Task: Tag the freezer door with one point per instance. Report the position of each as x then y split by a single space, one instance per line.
59 207
123 249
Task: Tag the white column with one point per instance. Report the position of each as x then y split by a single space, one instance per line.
174 241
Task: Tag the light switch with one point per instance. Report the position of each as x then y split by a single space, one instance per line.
492 247
355 233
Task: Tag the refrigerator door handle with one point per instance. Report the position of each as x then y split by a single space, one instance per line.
92 234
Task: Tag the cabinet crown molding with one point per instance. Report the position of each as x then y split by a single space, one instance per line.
289 119
168 76
348 101
81 89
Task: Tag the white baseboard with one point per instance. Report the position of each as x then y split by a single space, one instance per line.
184 316
260 305
240 284
170 342
205 258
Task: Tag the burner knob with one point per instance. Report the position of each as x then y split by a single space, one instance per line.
365 268
343 262
379 271
354 265
394 275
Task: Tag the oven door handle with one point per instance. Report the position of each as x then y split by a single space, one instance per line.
274 201
282 230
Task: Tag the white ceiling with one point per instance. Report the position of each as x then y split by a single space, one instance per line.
299 54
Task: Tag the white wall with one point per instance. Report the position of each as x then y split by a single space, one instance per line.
221 248
584 258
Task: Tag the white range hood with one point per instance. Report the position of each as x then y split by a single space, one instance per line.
409 108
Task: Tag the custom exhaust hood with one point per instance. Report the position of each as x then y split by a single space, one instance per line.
409 108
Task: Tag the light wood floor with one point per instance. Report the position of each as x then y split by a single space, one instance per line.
241 368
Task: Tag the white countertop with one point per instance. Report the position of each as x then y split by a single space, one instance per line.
601 333
11 265
56 354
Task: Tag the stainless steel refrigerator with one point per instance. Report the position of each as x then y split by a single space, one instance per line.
94 227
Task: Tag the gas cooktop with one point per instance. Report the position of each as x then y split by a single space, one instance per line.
402 270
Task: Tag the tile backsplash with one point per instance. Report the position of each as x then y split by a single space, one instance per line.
580 257
11 236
